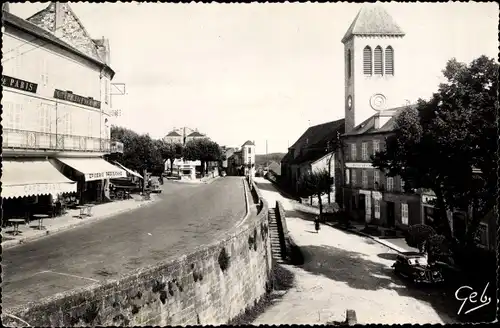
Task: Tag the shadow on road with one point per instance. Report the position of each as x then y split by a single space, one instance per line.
270 187
359 273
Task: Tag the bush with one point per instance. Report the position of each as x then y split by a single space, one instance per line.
418 234
437 248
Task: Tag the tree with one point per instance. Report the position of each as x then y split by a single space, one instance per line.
139 151
438 143
315 183
204 150
170 151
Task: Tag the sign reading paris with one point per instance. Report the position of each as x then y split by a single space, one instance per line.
70 96
19 84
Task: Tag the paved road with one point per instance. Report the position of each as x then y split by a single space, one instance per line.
186 216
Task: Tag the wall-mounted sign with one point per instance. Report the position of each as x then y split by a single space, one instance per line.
19 84
353 165
69 96
116 147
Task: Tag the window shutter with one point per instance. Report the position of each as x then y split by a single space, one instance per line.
367 61
378 61
389 61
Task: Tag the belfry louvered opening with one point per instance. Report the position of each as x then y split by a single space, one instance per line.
389 61
367 60
378 59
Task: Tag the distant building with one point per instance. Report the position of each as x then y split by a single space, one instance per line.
183 135
242 161
274 167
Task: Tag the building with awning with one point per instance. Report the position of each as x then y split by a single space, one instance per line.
33 177
92 169
129 171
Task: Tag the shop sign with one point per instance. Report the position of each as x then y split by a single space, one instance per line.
71 97
116 147
19 84
428 199
104 175
352 165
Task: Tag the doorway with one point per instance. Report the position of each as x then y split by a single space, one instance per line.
362 205
391 220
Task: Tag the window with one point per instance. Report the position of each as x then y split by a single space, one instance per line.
377 57
367 60
353 152
353 178
376 146
364 177
376 205
376 176
45 71
349 67
482 234
404 214
390 183
347 176
249 150
402 184
389 61
44 123
364 151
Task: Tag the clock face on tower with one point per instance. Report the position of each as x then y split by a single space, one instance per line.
349 102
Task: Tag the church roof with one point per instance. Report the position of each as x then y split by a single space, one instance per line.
373 20
369 126
173 134
248 143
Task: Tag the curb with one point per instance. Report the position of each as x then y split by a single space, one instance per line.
247 202
362 234
14 243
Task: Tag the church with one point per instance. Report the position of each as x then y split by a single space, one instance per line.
374 95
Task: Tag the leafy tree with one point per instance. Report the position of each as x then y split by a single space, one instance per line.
204 150
170 151
438 143
315 183
139 151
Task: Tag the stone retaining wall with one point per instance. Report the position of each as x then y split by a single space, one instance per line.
212 285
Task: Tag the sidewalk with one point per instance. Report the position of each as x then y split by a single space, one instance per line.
397 244
70 220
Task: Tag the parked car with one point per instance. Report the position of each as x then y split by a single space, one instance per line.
414 266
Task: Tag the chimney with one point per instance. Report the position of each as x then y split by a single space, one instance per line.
59 18
380 120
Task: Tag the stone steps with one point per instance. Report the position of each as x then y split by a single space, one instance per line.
273 234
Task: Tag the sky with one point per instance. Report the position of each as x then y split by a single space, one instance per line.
260 71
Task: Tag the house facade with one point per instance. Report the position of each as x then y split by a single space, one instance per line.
56 108
316 149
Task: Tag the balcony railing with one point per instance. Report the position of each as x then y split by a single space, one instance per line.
32 140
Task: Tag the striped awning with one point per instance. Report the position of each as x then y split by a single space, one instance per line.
94 168
129 171
33 177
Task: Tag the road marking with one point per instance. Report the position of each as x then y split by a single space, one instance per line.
67 274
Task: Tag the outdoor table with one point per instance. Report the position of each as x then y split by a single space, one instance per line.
89 209
40 218
82 209
16 225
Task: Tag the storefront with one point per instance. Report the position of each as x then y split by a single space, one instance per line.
92 175
30 185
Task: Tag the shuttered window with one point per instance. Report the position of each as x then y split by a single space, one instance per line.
367 61
377 56
389 61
